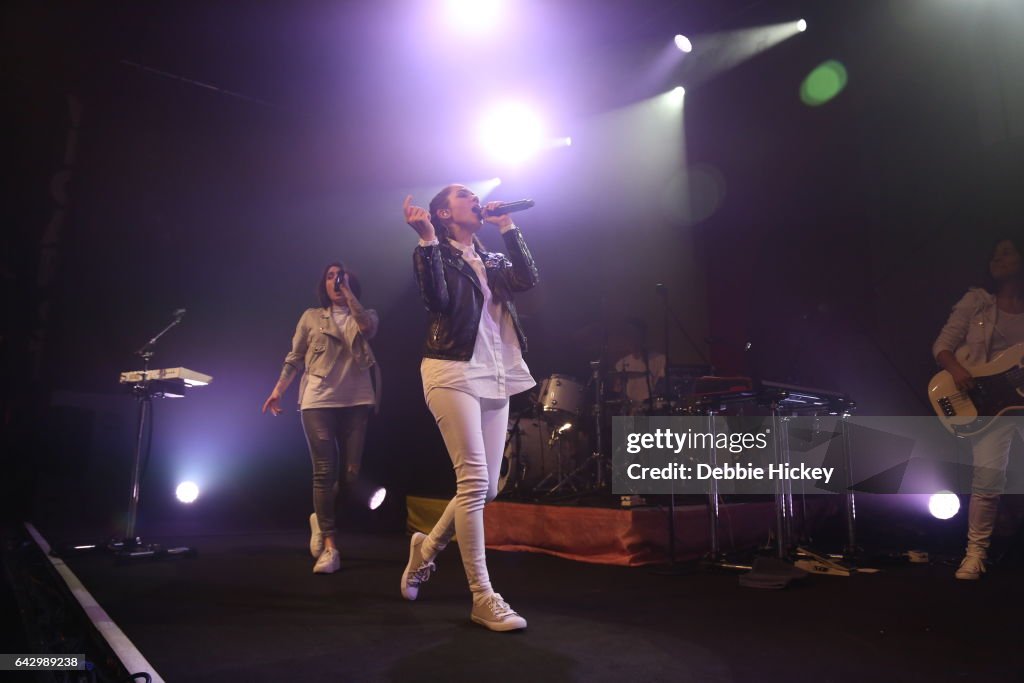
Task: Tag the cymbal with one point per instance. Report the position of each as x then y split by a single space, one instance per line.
626 374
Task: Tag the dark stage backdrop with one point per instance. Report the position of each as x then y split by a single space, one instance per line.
832 239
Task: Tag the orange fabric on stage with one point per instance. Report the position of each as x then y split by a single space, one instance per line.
626 537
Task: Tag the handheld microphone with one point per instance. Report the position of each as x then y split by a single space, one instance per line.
507 207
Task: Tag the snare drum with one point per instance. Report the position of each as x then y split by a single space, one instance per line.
561 397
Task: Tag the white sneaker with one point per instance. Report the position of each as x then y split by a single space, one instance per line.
316 539
494 613
417 572
971 568
328 562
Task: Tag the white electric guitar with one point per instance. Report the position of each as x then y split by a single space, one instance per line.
998 390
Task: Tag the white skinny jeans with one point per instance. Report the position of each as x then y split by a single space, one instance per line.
474 431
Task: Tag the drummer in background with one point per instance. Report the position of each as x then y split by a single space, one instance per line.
643 370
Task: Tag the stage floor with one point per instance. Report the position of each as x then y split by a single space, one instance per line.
249 609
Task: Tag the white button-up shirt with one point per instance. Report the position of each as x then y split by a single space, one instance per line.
496 369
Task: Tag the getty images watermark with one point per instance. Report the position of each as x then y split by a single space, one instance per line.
752 455
733 443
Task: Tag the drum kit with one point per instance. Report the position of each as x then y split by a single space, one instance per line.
554 447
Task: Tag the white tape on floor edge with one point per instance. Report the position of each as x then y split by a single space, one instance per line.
125 650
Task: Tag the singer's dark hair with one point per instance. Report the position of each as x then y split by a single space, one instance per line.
440 201
321 285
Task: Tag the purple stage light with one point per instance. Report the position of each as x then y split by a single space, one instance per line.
944 504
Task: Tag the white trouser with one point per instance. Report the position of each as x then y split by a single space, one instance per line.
474 431
991 453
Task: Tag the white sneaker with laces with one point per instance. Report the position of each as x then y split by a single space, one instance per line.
494 613
417 572
316 539
328 562
971 568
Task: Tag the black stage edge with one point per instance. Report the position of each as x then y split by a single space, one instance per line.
41 616
249 609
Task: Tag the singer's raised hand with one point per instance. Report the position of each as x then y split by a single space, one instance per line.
501 221
419 219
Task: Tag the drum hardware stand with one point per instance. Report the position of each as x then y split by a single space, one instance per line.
851 552
568 480
715 558
784 508
851 549
783 487
598 455
514 435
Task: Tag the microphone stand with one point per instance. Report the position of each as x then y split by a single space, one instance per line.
666 311
663 292
146 352
131 546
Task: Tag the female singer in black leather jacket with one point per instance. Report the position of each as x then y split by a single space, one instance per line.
472 364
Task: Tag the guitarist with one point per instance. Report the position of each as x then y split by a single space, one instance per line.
983 324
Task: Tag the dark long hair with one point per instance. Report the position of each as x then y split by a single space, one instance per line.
321 285
440 201
990 284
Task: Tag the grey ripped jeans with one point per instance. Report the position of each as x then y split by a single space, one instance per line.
335 437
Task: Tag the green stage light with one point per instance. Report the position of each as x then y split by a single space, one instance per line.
823 84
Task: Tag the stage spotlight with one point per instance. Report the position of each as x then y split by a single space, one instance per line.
943 504
377 498
801 25
511 132
683 43
473 17
674 97
187 492
366 494
556 434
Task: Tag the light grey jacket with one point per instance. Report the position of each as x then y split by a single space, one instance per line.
318 342
968 332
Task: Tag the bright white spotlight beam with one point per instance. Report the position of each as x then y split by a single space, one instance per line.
377 499
944 504
683 43
473 17
511 132
187 492
674 98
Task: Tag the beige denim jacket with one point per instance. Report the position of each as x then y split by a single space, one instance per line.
317 344
968 331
